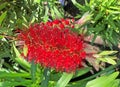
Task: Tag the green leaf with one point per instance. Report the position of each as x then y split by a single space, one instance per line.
64 80
45 18
98 16
24 83
59 15
25 50
92 2
82 71
32 19
20 59
104 81
55 76
79 6
116 83
3 5
93 39
4 74
46 78
2 17
108 60
78 84
33 71
114 8
37 1
103 53
77 74
52 13
1 37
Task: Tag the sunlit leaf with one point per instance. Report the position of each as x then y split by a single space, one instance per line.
20 59
25 50
108 60
2 17
45 18
104 81
103 53
4 74
63 81
58 14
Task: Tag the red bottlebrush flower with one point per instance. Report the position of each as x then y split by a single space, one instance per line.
56 21
62 26
54 46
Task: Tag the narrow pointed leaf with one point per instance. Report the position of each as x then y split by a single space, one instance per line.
103 81
82 71
2 17
64 80
20 59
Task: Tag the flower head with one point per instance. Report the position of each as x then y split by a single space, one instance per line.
54 45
